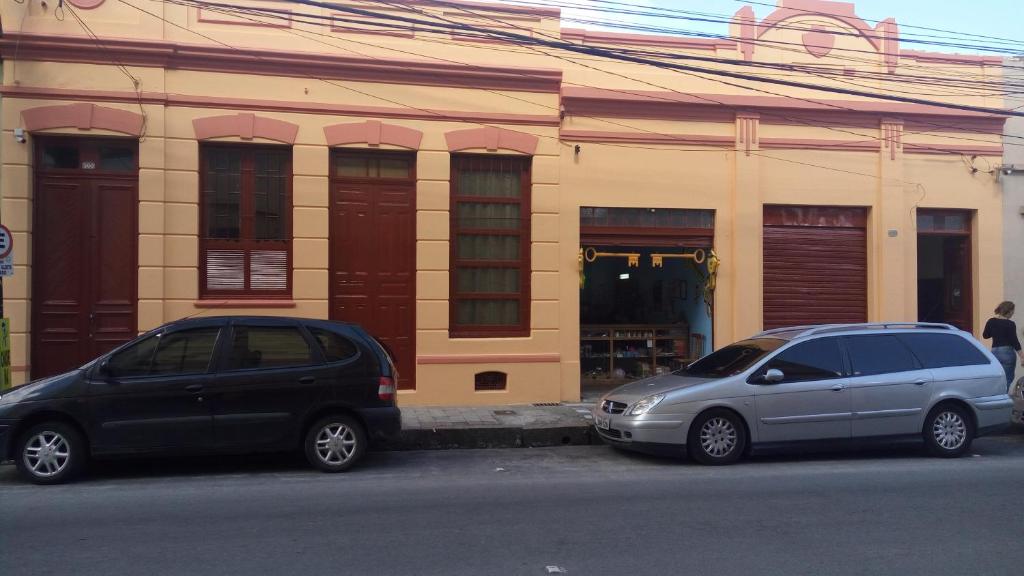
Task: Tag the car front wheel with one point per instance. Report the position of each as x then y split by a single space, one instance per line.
335 443
50 453
717 437
948 431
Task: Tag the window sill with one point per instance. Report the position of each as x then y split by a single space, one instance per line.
243 303
475 334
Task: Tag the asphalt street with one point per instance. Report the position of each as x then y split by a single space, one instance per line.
578 510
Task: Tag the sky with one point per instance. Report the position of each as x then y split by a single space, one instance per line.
998 18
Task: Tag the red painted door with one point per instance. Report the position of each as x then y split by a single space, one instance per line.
373 250
957 282
84 255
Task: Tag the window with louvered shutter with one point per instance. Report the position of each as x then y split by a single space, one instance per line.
490 246
246 234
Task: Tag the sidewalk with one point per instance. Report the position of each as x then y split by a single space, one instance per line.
518 426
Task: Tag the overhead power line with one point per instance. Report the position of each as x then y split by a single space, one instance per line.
702 97
557 139
611 7
276 14
612 54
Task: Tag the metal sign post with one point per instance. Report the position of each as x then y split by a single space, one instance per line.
6 269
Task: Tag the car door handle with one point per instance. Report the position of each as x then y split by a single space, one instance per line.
920 382
307 380
194 388
839 387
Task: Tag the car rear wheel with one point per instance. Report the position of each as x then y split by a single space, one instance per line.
948 431
50 453
335 443
717 437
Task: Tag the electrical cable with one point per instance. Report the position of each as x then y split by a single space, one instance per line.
556 138
136 82
868 137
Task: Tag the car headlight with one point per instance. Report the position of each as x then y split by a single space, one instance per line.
645 404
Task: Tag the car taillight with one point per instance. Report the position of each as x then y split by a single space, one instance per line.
386 389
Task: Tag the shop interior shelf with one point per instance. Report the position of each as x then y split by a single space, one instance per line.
635 350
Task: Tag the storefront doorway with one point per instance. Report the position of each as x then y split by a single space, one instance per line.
944 268
646 293
84 250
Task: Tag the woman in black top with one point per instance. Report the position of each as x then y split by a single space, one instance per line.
1005 344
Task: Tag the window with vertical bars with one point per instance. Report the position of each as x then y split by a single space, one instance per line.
490 246
245 236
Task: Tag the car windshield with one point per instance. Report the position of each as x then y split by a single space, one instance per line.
733 359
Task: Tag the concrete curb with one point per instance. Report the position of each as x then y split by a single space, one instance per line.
494 437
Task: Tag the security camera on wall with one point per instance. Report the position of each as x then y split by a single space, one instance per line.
19 135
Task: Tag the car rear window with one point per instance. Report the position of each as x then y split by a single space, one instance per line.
878 354
336 347
943 350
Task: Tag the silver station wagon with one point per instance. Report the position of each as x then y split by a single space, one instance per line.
836 384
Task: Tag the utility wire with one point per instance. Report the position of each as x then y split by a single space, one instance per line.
712 100
136 82
556 138
868 137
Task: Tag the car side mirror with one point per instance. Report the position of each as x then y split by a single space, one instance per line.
774 376
104 370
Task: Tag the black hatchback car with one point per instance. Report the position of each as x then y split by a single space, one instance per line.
225 385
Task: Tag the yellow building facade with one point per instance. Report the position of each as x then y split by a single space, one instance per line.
476 200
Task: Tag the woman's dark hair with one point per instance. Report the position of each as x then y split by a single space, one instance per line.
1005 309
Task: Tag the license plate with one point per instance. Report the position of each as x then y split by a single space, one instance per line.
602 423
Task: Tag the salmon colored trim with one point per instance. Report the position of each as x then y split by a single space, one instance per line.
84 116
946 149
594 37
491 139
245 126
664 104
492 7
843 11
86 4
746 20
373 133
819 144
183 100
284 15
241 303
646 138
207 58
971 59
490 359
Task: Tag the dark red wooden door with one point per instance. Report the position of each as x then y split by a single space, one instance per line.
373 251
815 266
957 280
84 268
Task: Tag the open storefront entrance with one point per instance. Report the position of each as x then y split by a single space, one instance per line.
646 292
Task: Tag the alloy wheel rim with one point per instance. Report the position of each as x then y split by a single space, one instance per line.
47 454
949 430
718 437
335 444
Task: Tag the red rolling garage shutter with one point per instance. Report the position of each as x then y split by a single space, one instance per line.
815 265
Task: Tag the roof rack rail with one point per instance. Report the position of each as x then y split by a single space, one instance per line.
873 326
789 329
810 330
